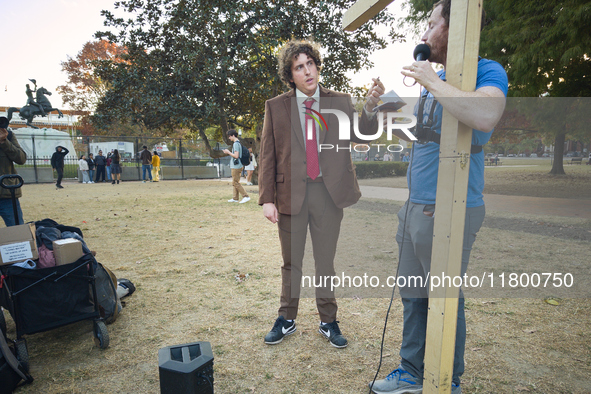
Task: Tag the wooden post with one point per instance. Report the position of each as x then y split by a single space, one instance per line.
361 12
452 188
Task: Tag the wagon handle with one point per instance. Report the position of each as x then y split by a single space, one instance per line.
12 189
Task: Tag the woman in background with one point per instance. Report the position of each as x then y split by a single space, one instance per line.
250 168
83 165
116 166
108 168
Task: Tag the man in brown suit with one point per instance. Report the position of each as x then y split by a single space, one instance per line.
306 178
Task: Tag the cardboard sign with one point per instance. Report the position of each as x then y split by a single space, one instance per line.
12 244
16 252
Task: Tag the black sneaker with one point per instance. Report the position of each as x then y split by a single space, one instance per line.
280 329
332 332
59 186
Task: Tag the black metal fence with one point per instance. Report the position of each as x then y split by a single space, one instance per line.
179 158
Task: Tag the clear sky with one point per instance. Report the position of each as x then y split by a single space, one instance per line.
40 34
37 36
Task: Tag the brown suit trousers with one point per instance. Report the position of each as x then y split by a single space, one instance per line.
324 219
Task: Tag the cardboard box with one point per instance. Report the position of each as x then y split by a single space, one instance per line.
18 243
67 250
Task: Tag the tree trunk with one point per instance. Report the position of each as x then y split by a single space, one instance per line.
214 154
558 165
225 127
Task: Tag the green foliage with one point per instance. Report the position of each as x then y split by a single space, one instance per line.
544 47
195 64
378 169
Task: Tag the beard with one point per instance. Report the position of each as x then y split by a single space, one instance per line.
439 50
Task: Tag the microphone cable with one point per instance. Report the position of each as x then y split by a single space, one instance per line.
399 257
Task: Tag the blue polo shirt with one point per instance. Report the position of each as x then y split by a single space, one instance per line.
422 174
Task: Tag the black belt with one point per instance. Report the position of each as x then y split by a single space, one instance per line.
435 137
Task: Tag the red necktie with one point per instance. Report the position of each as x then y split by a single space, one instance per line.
312 165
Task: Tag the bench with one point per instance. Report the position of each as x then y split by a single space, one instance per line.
576 160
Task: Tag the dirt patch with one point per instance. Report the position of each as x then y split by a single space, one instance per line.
188 252
538 227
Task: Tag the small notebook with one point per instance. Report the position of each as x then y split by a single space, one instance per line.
391 102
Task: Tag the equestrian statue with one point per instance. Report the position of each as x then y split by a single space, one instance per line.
39 106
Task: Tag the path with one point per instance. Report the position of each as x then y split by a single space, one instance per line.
496 202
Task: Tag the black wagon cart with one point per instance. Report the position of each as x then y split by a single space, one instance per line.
43 299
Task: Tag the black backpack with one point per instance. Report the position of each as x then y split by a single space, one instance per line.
106 291
244 155
11 370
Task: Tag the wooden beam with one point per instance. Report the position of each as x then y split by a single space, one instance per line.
361 12
452 187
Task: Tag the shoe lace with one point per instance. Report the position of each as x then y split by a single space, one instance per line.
334 327
393 374
279 323
397 373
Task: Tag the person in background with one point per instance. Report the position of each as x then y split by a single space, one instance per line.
146 158
101 163
406 158
10 153
155 167
108 165
83 166
250 168
91 166
57 163
236 168
116 166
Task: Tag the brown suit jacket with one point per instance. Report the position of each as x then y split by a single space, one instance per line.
282 157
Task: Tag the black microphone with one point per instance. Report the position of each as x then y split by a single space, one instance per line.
422 52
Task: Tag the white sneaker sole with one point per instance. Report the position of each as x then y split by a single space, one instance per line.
404 390
286 334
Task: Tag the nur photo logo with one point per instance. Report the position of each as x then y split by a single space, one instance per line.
394 121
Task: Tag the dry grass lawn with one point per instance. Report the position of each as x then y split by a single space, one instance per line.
186 248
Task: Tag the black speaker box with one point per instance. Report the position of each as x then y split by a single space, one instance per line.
186 369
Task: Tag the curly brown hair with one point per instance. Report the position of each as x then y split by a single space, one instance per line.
290 52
